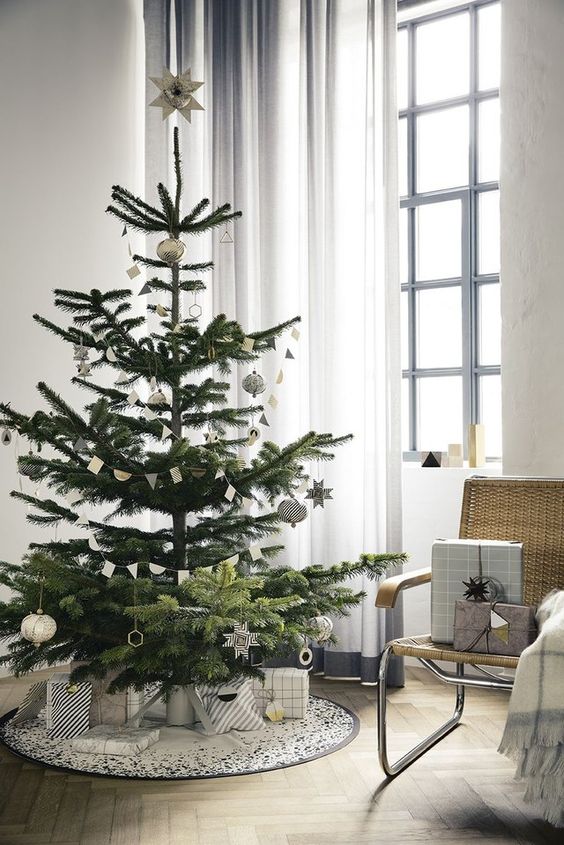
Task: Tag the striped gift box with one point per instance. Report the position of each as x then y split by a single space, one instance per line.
231 706
68 713
34 700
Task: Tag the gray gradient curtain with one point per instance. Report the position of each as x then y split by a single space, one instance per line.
299 132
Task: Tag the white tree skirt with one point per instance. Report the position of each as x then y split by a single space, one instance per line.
183 753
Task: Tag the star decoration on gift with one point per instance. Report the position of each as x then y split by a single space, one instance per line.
241 639
478 589
176 94
318 493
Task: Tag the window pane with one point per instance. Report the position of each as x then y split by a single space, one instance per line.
488 232
402 156
402 68
439 328
404 331
490 325
490 413
405 444
442 149
442 58
403 239
489 46
439 240
440 412
488 141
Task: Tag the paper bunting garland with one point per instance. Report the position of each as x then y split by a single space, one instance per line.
122 378
149 414
255 552
156 569
166 432
289 354
280 377
133 567
93 543
176 475
80 444
273 401
95 465
230 493
133 397
145 289
248 344
108 569
120 475
72 497
152 478
183 575
295 333
111 355
133 271
263 420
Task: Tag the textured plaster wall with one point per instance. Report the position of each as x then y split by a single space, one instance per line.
532 236
71 126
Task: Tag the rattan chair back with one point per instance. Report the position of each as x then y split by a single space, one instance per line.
530 510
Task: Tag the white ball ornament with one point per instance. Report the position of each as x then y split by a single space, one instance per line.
323 626
254 383
38 627
171 250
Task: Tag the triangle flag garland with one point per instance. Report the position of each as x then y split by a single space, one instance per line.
82 520
80 444
95 465
230 493
289 354
273 401
122 377
234 560
133 568
93 542
111 355
124 233
152 478
156 569
183 575
248 344
226 238
279 377
72 497
271 343
295 333
133 271
145 289
120 475
166 432
108 568
133 397
176 475
219 474
263 420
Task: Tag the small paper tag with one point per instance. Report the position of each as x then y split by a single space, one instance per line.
72 497
233 560
95 465
255 552
295 333
133 397
111 355
133 271
248 344
166 432
108 569
176 475
280 377
230 493
149 414
219 474
93 543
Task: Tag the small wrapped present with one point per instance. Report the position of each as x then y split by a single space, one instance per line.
455 562
111 739
493 627
111 708
68 706
288 687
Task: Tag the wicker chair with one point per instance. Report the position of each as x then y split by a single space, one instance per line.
529 510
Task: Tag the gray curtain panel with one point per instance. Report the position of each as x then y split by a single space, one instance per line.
299 133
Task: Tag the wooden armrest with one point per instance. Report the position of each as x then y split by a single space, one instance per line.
390 589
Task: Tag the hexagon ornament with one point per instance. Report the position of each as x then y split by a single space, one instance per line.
195 311
135 638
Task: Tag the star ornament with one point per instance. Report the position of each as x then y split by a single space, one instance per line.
176 94
478 589
318 493
241 639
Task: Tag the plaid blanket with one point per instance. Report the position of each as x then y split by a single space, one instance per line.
534 731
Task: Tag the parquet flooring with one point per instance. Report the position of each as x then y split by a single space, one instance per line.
461 793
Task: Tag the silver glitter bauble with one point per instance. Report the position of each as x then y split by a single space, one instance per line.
292 511
323 626
38 628
171 250
253 383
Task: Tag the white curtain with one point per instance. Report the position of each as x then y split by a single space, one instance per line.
299 133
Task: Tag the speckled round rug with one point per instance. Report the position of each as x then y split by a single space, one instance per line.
186 754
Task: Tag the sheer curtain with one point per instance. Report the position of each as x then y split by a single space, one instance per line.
299 133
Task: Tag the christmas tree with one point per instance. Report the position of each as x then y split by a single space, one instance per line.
202 599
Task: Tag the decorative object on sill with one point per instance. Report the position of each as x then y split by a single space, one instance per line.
6 437
318 493
287 686
455 455
431 459
110 739
493 627
253 384
476 445
455 561
534 731
239 713
38 627
292 511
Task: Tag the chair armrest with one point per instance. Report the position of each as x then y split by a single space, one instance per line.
390 589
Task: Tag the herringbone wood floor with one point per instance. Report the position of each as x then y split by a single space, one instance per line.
461 792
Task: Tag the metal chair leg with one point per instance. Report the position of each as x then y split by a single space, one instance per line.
393 769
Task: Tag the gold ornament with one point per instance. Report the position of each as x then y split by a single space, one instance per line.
274 711
171 250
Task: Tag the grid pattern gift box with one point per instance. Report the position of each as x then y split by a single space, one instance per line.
456 561
287 686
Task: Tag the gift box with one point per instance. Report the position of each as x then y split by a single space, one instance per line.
111 739
288 687
493 627
110 708
456 561
67 712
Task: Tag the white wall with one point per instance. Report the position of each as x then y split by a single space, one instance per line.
72 94
532 241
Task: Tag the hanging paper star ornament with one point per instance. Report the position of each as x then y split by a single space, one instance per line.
478 589
241 639
318 493
176 94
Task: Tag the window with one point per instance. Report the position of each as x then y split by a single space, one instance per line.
448 98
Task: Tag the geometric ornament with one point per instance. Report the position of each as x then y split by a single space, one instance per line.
499 626
431 459
478 589
176 94
241 639
318 493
